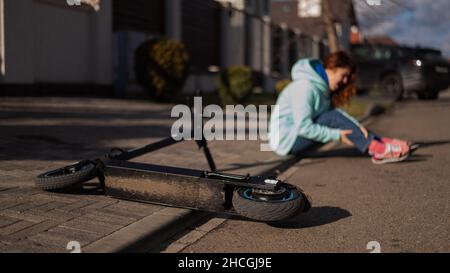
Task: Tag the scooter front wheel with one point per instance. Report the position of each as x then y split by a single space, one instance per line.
66 176
270 206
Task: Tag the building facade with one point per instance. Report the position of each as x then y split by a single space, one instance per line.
50 42
306 17
61 44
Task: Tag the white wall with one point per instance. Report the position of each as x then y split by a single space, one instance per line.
103 39
173 19
18 41
233 38
53 43
62 51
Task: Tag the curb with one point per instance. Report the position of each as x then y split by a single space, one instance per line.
151 231
146 233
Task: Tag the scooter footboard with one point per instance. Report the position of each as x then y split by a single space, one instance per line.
164 185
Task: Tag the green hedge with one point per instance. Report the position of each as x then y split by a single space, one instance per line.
235 85
161 67
281 84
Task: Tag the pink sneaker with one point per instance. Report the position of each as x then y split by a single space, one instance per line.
403 144
392 153
406 146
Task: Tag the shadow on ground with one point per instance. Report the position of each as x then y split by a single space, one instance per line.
57 132
92 187
426 144
316 216
83 114
338 152
69 142
334 153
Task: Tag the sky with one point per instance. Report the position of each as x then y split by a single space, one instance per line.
411 22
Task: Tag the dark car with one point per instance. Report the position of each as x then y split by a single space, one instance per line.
399 71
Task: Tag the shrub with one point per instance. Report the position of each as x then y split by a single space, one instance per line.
161 67
235 85
281 84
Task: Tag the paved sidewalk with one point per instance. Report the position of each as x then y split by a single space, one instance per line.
39 134
400 207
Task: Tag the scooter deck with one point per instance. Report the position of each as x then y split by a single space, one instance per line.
163 185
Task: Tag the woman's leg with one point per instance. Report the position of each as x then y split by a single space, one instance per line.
382 150
334 119
301 144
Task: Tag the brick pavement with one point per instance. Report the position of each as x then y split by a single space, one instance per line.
39 134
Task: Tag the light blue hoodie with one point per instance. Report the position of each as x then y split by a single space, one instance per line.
300 103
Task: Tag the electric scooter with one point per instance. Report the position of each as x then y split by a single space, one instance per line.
261 198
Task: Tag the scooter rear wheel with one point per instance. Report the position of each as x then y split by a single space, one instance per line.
270 206
67 176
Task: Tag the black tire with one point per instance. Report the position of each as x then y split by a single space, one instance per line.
428 95
270 210
67 176
392 86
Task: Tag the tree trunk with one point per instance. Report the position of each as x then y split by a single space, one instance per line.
329 26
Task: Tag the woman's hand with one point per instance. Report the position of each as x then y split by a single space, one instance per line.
364 131
344 138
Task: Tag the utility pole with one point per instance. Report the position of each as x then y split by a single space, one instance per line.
329 26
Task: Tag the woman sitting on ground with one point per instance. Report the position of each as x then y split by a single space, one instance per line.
308 114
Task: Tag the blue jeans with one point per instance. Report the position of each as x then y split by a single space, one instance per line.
334 119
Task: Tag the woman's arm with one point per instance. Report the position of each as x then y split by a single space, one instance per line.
301 104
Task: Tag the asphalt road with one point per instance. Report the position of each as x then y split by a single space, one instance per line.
404 207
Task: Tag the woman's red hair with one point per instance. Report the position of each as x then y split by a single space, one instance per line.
341 59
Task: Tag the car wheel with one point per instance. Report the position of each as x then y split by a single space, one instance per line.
428 95
392 86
